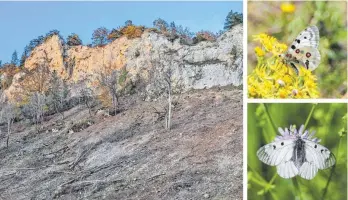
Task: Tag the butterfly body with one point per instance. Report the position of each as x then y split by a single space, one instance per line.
299 153
296 154
304 50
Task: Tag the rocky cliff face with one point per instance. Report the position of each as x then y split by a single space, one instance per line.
204 65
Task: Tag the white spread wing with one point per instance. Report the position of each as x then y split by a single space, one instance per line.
276 152
308 170
287 169
279 154
317 157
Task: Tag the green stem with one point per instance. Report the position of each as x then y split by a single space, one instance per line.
332 171
258 176
269 118
297 188
310 115
273 178
275 130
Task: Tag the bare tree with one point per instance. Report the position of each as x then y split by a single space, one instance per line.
109 81
100 36
57 93
166 80
87 97
37 79
7 115
107 78
36 108
1 92
35 85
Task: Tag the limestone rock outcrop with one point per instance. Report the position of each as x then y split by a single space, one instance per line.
145 59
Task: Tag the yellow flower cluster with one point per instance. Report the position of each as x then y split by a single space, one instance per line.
270 44
287 7
273 79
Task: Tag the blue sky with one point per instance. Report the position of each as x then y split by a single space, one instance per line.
23 21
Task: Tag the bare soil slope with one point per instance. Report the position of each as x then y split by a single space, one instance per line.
131 155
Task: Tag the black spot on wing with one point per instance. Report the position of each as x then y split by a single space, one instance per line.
293 47
274 146
298 41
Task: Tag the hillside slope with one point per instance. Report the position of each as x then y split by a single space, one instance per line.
131 155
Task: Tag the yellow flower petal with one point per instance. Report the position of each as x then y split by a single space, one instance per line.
287 7
259 52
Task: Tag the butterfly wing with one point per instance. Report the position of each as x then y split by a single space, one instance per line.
276 152
303 50
308 170
317 157
307 57
287 169
307 38
279 154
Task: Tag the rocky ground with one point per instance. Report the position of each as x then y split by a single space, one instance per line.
130 155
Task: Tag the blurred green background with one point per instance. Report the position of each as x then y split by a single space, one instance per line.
284 22
330 123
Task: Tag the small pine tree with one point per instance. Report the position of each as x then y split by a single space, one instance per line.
232 19
0 63
15 60
22 61
73 40
128 23
172 27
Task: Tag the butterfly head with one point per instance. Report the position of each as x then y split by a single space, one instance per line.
285 56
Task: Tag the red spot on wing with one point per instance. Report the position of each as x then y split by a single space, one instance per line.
297 51
308 54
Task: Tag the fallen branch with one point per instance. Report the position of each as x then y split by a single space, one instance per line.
64 148
83 155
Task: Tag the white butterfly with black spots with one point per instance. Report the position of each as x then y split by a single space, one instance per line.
304 50
296 153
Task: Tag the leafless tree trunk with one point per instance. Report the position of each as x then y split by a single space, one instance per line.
9 123
110 82
38 103
165 65
86 94
168 80
8 113
57 93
